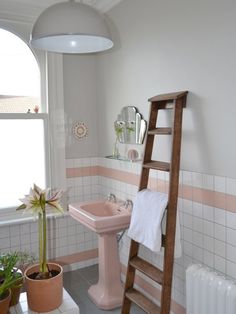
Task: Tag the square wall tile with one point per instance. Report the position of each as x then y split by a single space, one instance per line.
220 248
220 184
219 232
208 212
208 182
231 236
220 264
231 186
197 180
197 209
4 232
231 220
187 178
208 228
231 253
208 258
231 269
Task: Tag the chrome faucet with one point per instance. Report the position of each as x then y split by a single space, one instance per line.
111 198
128 204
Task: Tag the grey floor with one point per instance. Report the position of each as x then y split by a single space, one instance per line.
77 283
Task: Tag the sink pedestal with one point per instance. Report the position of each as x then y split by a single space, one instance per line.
108 292
106 219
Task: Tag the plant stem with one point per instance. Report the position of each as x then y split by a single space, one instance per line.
44 265
40 231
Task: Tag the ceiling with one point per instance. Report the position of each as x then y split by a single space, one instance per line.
29 10
99 4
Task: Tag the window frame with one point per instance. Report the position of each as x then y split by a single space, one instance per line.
10 212
52 104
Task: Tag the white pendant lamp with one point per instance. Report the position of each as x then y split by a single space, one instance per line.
71 27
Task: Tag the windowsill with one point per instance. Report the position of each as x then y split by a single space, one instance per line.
19 218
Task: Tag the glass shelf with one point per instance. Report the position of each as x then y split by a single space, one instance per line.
122 158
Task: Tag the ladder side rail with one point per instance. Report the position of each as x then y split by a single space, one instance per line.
134 246
153 115
130 275
172 207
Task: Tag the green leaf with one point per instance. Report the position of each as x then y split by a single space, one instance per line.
22 206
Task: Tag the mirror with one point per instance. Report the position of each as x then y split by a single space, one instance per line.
130 127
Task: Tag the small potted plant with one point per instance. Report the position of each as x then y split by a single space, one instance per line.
23 259
14 262
9 278
44 281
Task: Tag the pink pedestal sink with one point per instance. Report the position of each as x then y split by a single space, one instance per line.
106 219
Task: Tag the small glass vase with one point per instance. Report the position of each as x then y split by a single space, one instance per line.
115 151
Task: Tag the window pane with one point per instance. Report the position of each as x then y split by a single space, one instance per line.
22 159
19 75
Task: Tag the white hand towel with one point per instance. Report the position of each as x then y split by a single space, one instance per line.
148 221
147 214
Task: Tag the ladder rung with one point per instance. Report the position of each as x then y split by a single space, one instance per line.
147 269
143 302
161 131
165 105
169 96
157 165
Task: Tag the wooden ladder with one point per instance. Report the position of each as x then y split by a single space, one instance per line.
175 102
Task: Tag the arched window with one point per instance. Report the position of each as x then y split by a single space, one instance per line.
23 125
19 75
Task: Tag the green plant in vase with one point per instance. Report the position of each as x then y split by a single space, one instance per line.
37 202
44 281
130 129
118 130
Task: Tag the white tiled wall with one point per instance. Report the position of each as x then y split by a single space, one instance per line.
82 188
65 237
208 233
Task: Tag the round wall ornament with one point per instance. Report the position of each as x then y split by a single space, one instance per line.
79 130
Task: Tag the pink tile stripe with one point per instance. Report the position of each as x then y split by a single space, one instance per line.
119 175
154 292
77 257
82 172
87 255
204 196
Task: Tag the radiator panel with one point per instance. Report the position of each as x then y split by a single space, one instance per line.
208 292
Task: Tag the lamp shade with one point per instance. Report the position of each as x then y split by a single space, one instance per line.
71 27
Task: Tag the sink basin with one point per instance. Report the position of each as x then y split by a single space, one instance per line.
106 219
101 216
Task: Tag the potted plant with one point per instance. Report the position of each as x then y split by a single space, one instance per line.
44 284
14 261
9 278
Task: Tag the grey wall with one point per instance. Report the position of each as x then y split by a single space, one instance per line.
80 104
168 46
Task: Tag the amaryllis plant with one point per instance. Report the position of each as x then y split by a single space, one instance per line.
37 202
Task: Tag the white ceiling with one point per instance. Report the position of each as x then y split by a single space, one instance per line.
99 4
29 10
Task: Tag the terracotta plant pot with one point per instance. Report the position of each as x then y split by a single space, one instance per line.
5 303
44 295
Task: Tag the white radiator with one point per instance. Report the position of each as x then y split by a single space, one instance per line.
209 293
